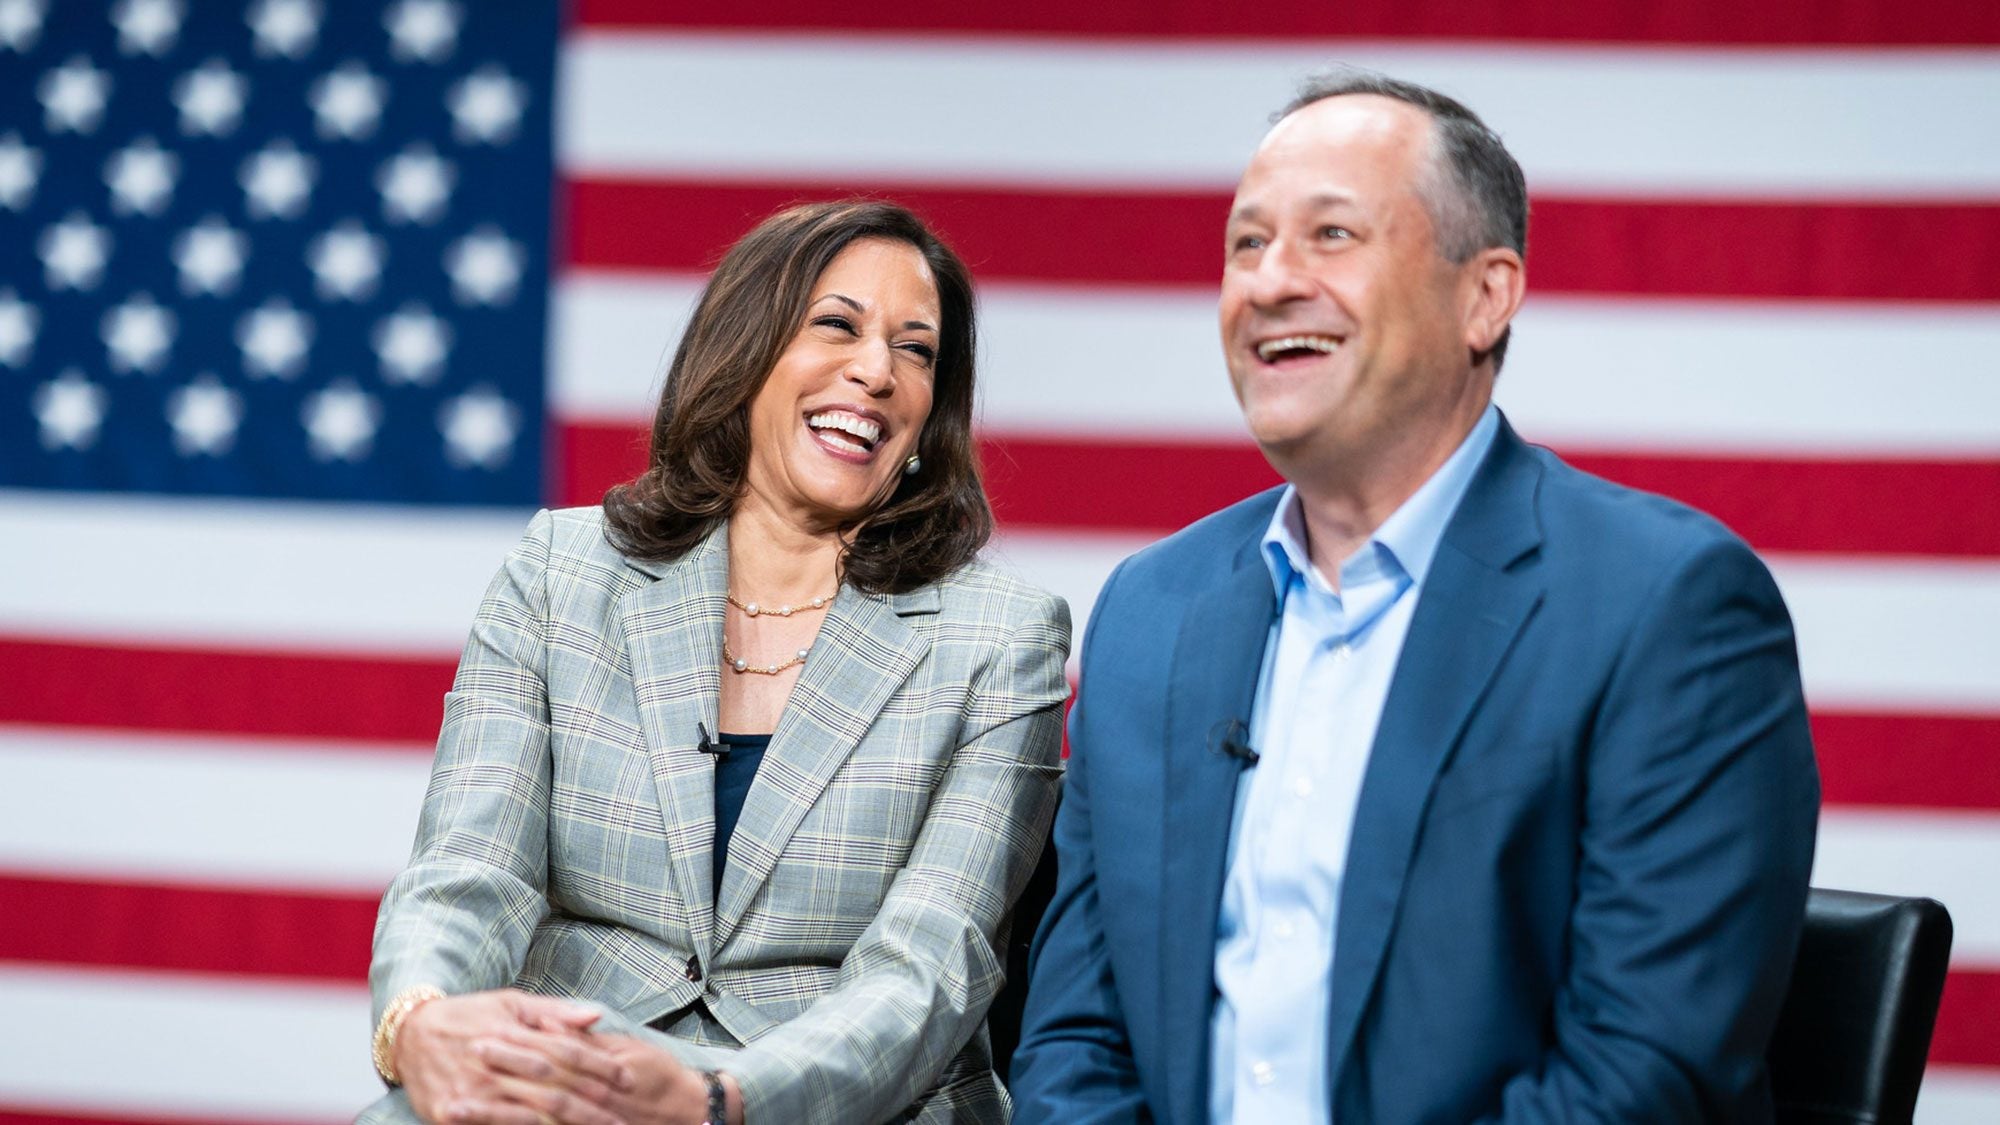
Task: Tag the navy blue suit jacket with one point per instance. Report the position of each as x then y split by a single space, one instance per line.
1578 865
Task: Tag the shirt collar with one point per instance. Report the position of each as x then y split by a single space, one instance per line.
1408 539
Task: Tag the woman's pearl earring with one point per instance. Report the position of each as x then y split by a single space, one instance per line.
911 466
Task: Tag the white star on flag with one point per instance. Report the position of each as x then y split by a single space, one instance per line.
210 98
422 29
341 421
485 267
70 409
18 321
210 257
346 262
147 27
412 345
479 428
486 106
204 415
276 181
141 177
274 337
20 24
20 168
284 27
415 185
137 334
348 102
73 96
73 252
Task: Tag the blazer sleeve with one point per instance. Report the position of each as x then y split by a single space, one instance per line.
460 915
916 985
1075 1062
1696 848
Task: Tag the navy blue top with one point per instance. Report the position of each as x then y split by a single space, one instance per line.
734 771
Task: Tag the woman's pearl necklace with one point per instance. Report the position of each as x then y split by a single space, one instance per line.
739 665
751 609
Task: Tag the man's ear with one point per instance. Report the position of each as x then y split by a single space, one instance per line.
1495 280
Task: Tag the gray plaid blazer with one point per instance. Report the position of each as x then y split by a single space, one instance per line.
567 834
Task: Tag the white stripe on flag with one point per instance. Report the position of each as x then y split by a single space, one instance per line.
1959 1095
175 570
1670 376
1797 123
1857 622
207 809
1936 853
198 1046
417 582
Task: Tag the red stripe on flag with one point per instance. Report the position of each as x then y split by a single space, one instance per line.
1870 507
241 932
1916 761
1780 23
1819 250
1968 1025
326 937
315 695
1865 507
1048 234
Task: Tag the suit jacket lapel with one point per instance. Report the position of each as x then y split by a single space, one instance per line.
673 630
865 651
1473 604
1217 659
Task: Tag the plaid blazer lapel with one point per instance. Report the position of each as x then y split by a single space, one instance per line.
673 631
865 651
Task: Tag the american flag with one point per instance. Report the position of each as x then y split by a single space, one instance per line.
304 305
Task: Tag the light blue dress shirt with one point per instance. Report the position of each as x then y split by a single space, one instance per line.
1327 667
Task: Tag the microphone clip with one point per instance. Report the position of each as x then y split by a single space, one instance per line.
716 750
1231 739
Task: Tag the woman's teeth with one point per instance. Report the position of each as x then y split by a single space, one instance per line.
865 432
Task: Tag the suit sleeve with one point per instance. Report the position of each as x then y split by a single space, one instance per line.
1699 815
916 985
460 915
1075 1062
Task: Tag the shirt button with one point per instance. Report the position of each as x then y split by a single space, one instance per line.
1262 1074
693 969
1342 652
1302 787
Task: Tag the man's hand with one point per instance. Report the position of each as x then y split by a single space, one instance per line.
508 1058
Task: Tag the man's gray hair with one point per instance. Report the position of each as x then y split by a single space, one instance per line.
1478 197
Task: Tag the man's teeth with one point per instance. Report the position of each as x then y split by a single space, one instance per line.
869 432
1271 349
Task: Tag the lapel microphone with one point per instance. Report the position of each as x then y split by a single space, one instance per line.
716 750
1231 739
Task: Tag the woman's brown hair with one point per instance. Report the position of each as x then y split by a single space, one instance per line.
933 523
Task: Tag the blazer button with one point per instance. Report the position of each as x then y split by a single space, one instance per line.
693 969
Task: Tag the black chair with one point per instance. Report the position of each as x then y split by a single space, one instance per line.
1003 1019
1856 1026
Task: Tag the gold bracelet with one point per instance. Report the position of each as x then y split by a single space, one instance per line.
393 1016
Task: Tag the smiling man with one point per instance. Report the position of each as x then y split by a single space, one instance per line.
1445 782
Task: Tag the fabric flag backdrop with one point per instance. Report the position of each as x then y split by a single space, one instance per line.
305 305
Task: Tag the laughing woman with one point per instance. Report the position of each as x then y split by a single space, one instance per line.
741 774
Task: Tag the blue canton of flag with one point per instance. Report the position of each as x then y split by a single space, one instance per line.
288 248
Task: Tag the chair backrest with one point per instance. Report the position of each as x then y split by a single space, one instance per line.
1003 1019
1856 1026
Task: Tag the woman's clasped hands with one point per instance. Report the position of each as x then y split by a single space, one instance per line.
511 1058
